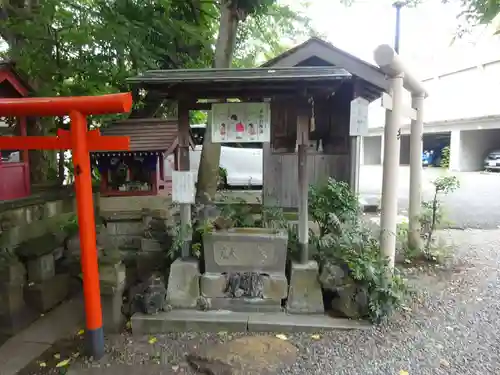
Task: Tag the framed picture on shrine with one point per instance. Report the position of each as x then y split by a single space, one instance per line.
241 122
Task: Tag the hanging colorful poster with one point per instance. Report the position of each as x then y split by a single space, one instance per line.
241 122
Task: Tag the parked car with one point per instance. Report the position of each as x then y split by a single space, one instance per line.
242 162
492 161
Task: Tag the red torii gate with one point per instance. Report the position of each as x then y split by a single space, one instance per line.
80 141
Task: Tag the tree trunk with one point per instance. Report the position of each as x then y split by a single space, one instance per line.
208 172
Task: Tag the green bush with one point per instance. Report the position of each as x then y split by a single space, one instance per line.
445 157
345 241
330 203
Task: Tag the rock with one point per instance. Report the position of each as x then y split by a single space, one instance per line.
331 277
251 355
352 301
223 223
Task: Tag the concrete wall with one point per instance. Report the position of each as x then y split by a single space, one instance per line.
455 141
372 150
474 146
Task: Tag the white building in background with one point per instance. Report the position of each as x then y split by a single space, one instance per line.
463 107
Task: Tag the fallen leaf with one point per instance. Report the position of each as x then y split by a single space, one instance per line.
403 372
43 364
315 337
81 332
152 340
63 363
57 356
281 337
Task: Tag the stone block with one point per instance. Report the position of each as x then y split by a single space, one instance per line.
149 244
189 321
183 287
11 298
131 228
10 324
41 268
256 305
113 319
213 285
13 273
275 287
47 294
245 249
111 276
304 293
281 322
126 241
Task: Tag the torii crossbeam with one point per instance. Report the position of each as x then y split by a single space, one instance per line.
80 141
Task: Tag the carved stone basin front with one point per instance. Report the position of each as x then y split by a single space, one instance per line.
260 250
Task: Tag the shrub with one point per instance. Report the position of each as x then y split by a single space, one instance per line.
445 157
345 241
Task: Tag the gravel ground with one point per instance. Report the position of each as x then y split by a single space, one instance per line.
452 327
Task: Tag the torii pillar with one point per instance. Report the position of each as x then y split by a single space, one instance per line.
80 141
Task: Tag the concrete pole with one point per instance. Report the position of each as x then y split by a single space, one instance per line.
355 163
416 135
388 220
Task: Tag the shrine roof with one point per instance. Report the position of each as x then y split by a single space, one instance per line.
206 83
18 85
241 75
146 135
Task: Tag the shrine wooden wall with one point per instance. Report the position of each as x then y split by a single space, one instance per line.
280 160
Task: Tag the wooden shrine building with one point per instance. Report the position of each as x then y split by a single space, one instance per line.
331 150
139 171
14 165
312 84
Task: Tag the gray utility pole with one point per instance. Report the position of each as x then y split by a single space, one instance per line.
398 5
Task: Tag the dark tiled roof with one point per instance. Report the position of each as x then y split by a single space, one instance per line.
254 75
145 134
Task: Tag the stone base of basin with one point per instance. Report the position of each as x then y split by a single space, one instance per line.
228 321
304 294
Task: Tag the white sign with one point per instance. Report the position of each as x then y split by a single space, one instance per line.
183 187
359 117
408 112
241 122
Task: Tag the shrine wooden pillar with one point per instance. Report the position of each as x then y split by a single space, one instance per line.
183 164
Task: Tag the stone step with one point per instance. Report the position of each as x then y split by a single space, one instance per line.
228 321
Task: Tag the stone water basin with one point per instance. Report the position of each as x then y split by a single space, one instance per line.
260 250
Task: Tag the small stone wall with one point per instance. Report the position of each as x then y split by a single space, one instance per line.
31 241
137 227
33 217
